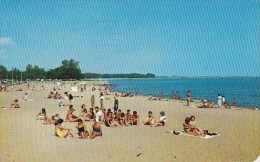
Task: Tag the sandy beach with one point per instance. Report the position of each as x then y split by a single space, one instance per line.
24 139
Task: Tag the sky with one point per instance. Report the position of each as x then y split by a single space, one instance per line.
167 37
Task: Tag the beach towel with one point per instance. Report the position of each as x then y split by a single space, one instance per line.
257 160
74 89
182 132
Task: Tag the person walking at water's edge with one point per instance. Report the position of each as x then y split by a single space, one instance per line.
188 97
219 101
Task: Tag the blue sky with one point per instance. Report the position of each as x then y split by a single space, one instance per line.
174 37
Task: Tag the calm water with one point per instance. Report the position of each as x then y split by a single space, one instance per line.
246 91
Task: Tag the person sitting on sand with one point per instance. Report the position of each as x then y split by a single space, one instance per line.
15 104
70 117
99 115
61 131
227 105
110 122
193 125
161 121
134 118
60 102
83 107
122 120
82 128
150 119
41 115
50 95
90 115
190 129
128 115
25 97
96 131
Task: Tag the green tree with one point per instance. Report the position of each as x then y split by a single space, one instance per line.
3 72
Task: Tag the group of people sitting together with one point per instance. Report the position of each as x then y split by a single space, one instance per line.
98 117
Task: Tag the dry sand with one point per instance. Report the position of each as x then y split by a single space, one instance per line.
23 138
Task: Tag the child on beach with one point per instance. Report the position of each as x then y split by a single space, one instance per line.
161 121
150 119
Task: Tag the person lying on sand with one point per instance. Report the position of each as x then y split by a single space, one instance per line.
205 104
161 121
134 118
82 128
96 131
150 119
15 104
70 117
61 131
110 122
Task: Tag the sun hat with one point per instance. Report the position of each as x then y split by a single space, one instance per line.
162 113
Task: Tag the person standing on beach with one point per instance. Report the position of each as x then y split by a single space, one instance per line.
116 102
219 101
188 97
92 100
101 100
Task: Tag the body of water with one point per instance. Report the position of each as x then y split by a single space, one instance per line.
246 91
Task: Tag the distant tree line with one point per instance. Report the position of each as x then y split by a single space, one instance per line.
69 69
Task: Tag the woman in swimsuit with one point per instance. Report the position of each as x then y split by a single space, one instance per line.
90 115
82 128
110 122
70 117
41 114
190 129
97 130
61 131
161 121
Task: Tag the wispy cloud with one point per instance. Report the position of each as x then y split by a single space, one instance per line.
5 41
